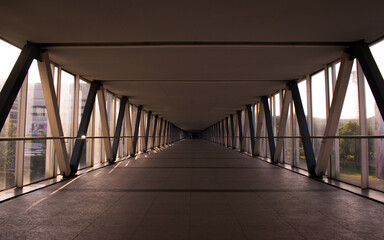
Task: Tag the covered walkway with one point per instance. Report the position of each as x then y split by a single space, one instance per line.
192 189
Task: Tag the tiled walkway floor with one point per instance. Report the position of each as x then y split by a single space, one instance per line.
191 190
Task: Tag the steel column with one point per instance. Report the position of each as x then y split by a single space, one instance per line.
137 125
251 129
303 126
48 88
128 127
83 128
240 130
233 131
283 123
227 127
119 125
160 129
334 113
154 131
258 128
361 51
104 123
147 130
268 122
15 80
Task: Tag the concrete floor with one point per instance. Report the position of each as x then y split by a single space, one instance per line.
191 190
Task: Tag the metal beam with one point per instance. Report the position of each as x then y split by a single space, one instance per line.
361 51
233 131
282 125
334 113
260 118
227 128
268 121
141 138
137 125
83 128
53 113
119 124
104 123
15 80
303 126
147 129
251 129
128 127
160 129
240 130
154 131
193 44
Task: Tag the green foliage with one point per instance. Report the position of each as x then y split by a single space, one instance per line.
349 148
7 155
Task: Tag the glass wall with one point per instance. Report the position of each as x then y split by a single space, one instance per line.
85 159
29 118
349 149
319 112
8 57
35 158
67 90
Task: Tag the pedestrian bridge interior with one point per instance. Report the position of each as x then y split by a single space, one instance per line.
191 120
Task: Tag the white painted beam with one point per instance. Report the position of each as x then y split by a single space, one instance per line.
282 126
334 113
53 113
104 124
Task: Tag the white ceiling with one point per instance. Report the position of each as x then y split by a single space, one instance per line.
192 86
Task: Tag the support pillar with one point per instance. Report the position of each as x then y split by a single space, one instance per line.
334 113
147 130
251 129
240 130
137 125
104 124
154 131
160 129
361 51
268 121
283 123
15 80
233 132
119 125
83 128
258 129
303 126
53 113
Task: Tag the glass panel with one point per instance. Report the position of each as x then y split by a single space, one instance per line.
299 155
8 57
319 107
349 149
288 142
83 94
375 126
67 89
97 141
36 158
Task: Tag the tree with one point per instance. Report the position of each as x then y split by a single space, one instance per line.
349 148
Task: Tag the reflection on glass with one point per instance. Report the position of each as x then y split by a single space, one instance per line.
319 108
8 57
349 149
66 105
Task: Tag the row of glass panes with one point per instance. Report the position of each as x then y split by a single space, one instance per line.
360 116
24 162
